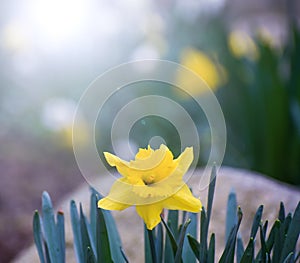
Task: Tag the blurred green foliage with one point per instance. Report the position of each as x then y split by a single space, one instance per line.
261 105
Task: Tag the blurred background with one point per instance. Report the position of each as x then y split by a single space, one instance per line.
50 51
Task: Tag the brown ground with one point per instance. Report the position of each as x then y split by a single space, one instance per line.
27 169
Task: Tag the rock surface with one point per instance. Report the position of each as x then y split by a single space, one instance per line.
252 190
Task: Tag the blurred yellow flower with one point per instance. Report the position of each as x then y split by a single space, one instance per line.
266 37
198 62
151 182
242 45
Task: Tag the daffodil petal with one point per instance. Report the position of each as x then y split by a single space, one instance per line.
183 200
108 204
114 160
150 214
121 165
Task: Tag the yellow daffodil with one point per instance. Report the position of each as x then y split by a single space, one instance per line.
242 45
151 182
201 64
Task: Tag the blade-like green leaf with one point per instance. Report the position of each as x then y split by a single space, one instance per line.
90 256
86 243
297 257
263 254
231 218
289 258
114 237
93 216
203 236
78 248
239 248
292 234
103 246
170 236
173 222
117 255
248 255
270 240
281 214
147 248
286 223
181 240
195 246
228 253
211 192
187 253
159 242
37 235
60 225
211 249
50 230
277 242
256 221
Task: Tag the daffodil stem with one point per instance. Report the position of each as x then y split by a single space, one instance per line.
152 245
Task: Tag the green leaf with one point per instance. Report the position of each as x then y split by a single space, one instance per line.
78 248
60 225
93 216
289 258
187 253
173 222
281 214
90 256
270 240
170 236
292 234
286 223
86 243
248 255
117 253
152 245
264 254
181 241
228 253
239 248
297 257
195 246
168 251
159 243
147 248
211 249
211 192
203 236
231 218
277 242
114 237
256 221
37 235
50 230
103 246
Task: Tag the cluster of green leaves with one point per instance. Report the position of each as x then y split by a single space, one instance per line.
173 240
261 105
95 240
279 246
